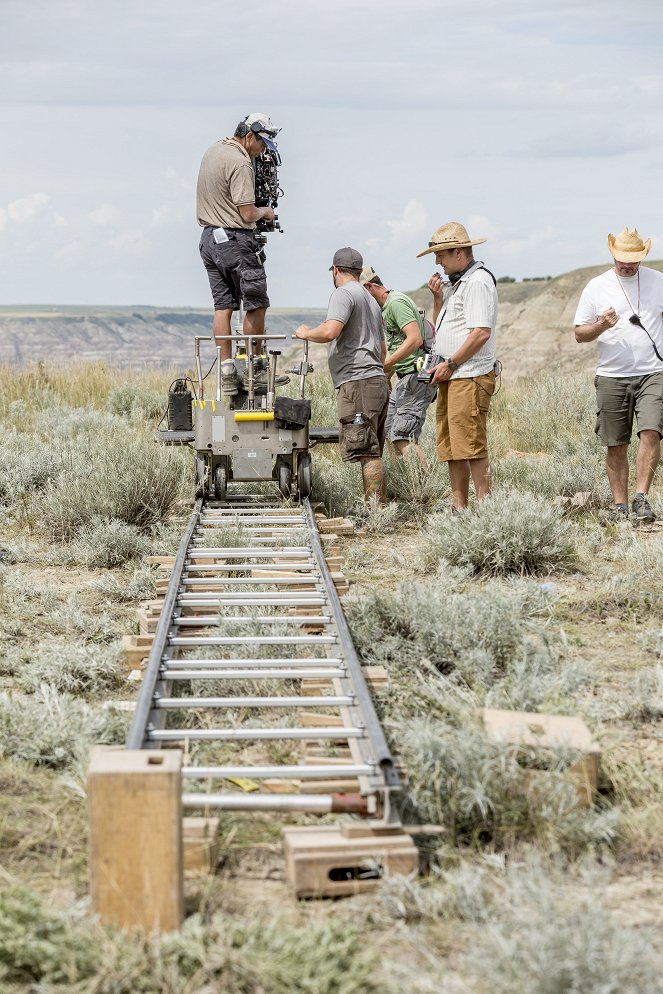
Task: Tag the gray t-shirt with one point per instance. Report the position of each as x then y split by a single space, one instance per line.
225 181
357 352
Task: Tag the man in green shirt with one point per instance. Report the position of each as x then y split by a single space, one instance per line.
405 334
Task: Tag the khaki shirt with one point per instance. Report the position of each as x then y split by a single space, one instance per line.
225 181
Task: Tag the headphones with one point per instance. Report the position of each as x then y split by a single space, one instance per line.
243 128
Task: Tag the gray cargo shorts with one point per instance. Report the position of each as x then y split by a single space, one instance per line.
408 406
235 274
620 398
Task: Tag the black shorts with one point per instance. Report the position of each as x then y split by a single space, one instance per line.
234 271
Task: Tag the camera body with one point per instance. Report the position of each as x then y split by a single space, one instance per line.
431 360
267 189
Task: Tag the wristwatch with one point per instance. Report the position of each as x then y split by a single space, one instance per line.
453 366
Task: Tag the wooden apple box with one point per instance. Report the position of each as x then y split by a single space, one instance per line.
337 860
550 732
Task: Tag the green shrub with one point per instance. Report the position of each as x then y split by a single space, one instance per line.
508 532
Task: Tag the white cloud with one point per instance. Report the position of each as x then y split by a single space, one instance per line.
103 214
3 218
162 214
411 223
26 207
59 220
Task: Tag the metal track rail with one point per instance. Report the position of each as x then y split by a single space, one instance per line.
280 619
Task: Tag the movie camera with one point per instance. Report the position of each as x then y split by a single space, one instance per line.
267 189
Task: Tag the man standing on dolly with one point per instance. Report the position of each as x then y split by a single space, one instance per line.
231 254
409 399
465 316
353 331
622 310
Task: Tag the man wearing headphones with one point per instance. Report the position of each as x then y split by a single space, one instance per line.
231 254
465 320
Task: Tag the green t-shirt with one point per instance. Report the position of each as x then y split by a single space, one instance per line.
399 310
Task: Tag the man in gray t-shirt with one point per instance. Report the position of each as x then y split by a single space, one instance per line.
353 331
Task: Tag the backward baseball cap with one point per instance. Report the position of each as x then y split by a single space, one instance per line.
267 132
368 275
347 258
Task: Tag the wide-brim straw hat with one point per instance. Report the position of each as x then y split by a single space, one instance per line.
628 246
450 236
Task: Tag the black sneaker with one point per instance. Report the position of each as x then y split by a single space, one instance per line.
642 509
619 511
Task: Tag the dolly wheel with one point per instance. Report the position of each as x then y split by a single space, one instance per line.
201 476
304 474
285 478
220 481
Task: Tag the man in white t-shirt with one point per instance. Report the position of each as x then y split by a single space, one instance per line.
465 318
622 310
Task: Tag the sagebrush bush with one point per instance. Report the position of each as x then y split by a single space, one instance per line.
125 588
545 941
430 621
122 475
55 730
111 544
132 399
374 517
551 475
27 465
508 532
419 492
40 945
481 792
337 484
80 670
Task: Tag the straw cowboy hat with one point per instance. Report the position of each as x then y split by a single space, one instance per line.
450 236
628 246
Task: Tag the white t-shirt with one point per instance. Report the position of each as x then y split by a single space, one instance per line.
472 304
625 349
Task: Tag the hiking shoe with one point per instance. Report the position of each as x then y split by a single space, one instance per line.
642 509
229 378
619 511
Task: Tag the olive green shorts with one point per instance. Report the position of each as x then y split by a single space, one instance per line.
621 398
362 439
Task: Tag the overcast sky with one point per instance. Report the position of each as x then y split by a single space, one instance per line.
537 124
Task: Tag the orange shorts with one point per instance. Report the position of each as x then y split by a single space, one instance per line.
460 417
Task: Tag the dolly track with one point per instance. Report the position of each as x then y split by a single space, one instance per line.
210 587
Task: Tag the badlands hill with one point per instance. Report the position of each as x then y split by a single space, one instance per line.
534 329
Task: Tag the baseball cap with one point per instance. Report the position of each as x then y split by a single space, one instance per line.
367 275
267 131
347 258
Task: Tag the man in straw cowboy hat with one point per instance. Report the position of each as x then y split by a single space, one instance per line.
465 315
622 310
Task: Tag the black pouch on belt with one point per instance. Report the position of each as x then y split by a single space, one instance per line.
291 413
